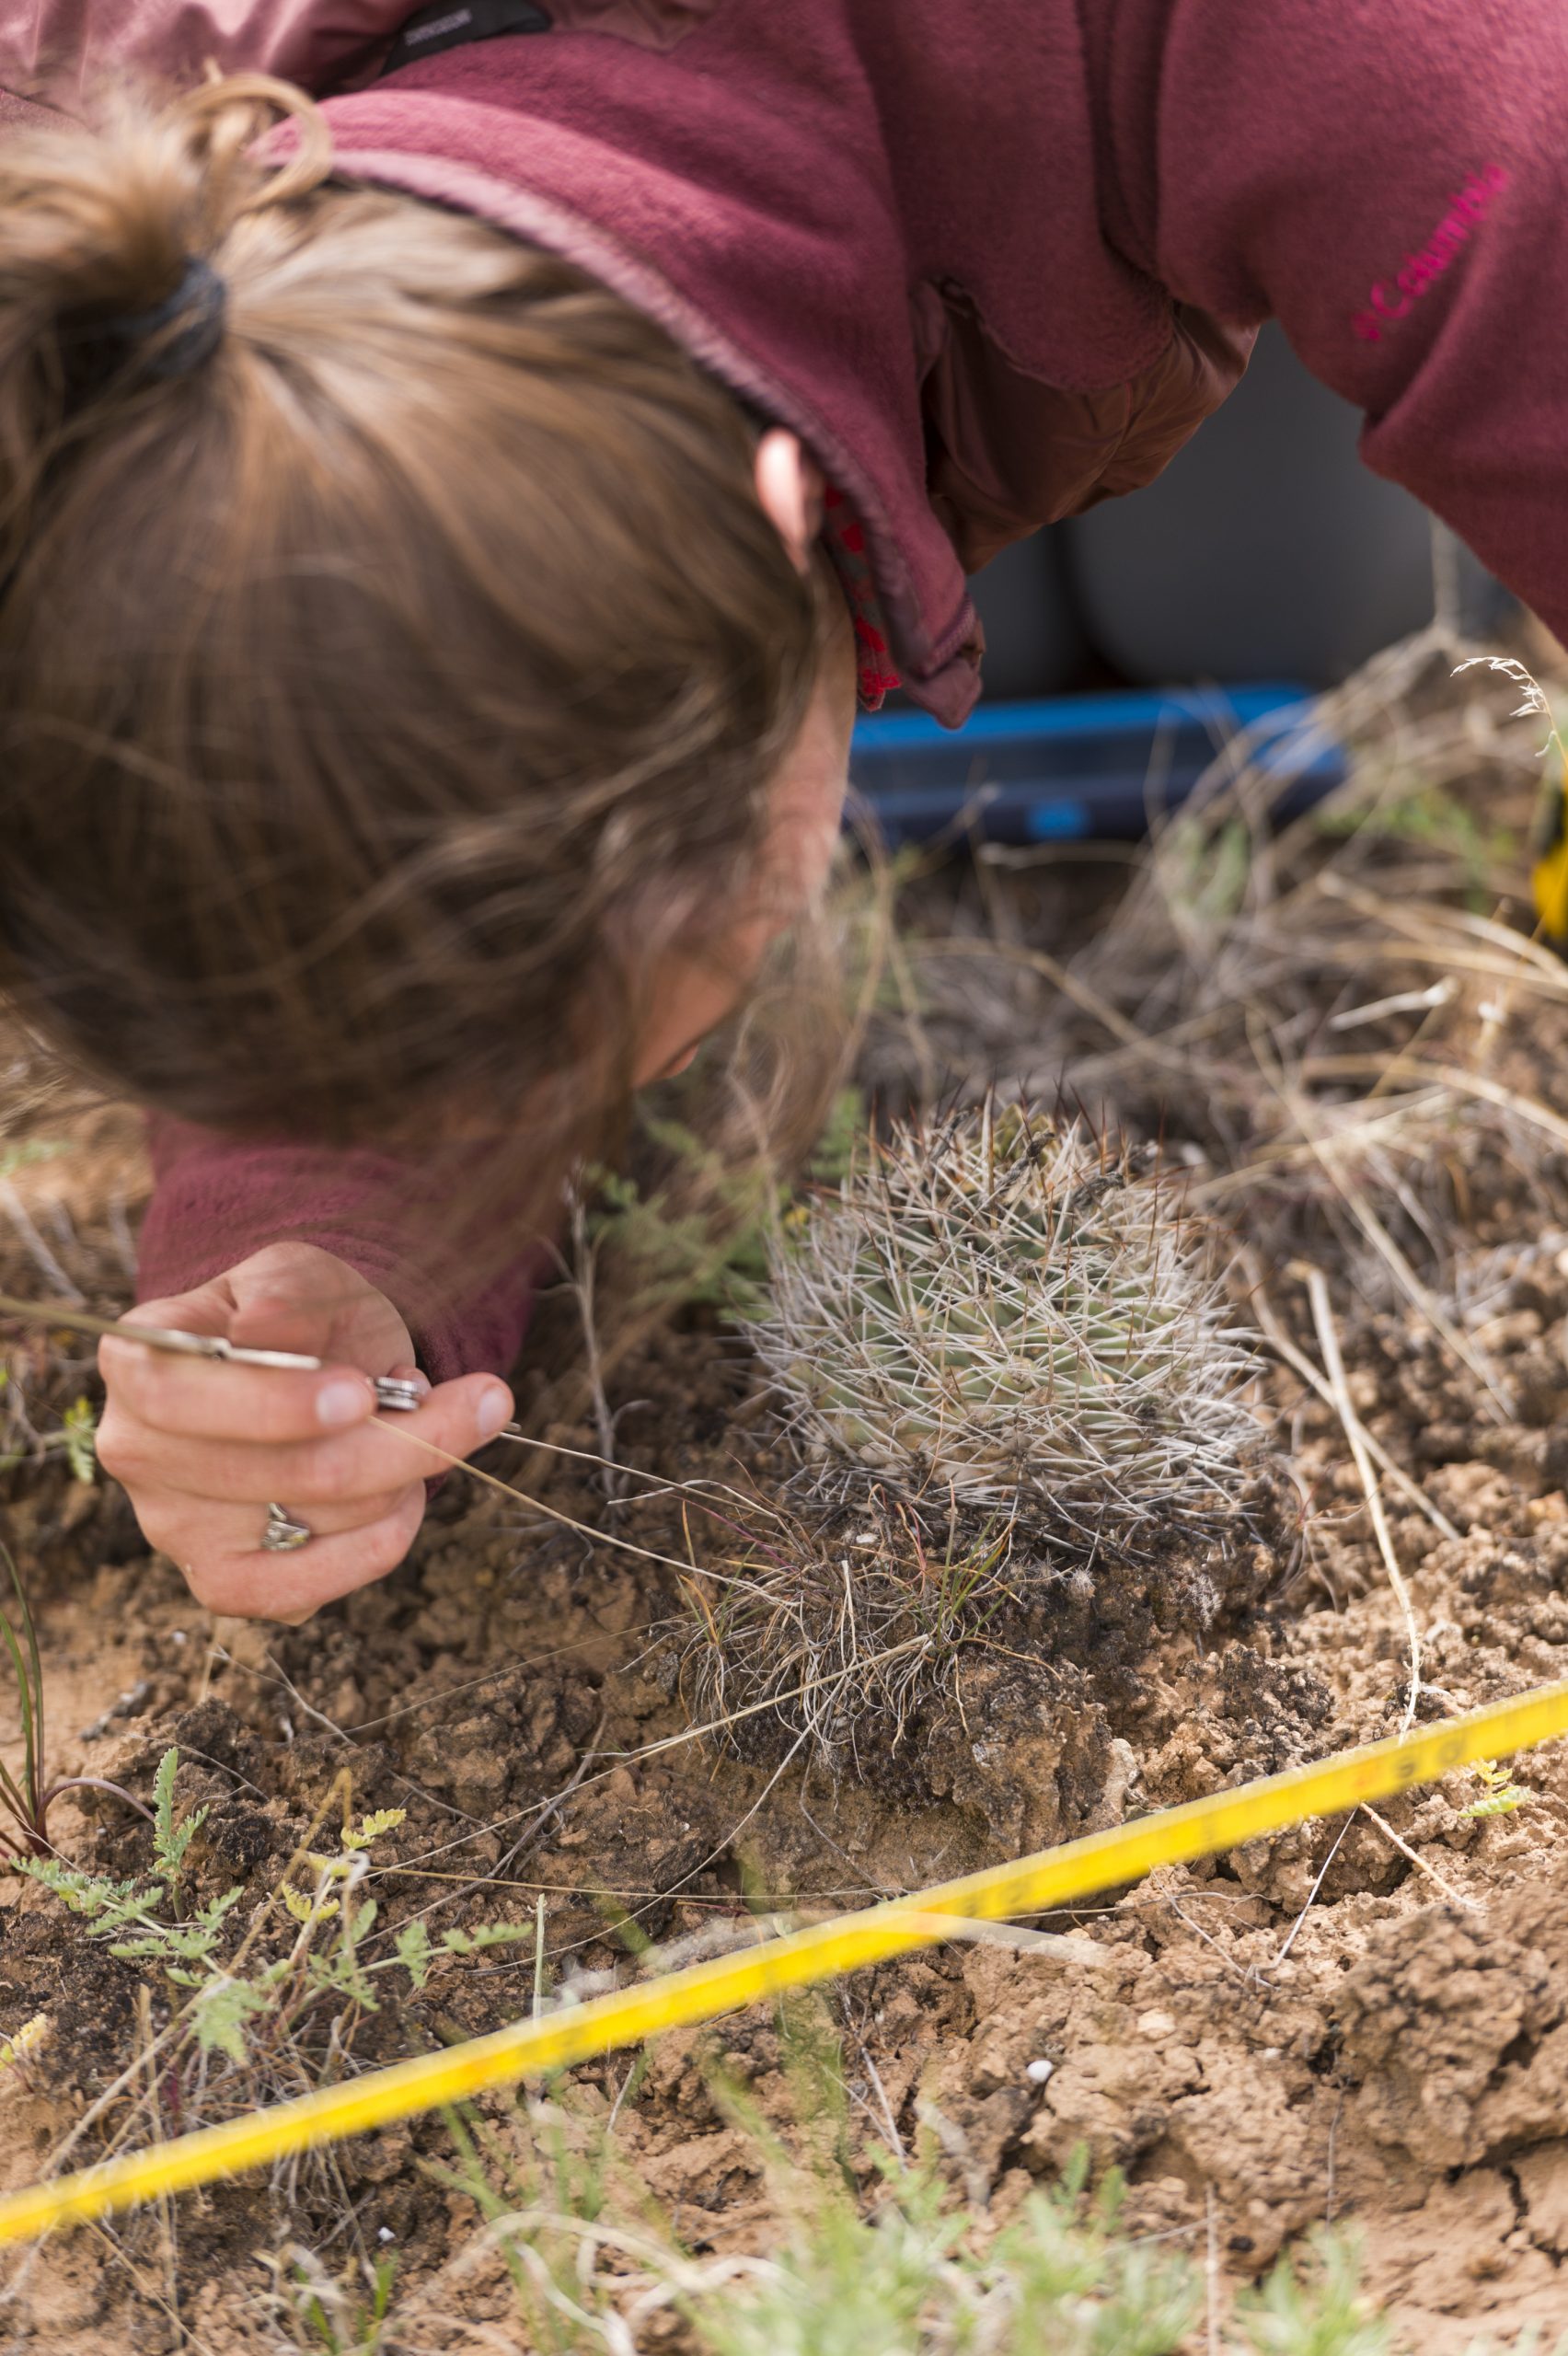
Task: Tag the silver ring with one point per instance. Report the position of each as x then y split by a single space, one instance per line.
283 1534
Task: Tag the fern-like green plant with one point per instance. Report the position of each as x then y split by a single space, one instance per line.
229 2008
703 1236
125 1913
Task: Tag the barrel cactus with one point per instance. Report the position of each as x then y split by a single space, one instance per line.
1004 1316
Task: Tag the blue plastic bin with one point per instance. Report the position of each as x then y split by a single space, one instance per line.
1081 768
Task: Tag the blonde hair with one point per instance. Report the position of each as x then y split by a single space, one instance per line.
382 698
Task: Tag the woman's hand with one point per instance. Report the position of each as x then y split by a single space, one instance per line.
204 1449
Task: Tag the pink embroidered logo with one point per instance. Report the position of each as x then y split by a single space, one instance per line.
1421 270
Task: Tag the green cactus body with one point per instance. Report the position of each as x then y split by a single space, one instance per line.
1005 1312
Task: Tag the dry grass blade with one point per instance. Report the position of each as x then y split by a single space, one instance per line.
1450 1076
1328 1341
1500 1404
1423 1865
1279 1341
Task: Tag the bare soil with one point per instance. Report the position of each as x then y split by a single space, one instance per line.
1364 2021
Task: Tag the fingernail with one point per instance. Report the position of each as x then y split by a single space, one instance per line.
493 1410
343 1402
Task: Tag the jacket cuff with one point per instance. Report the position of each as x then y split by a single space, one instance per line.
217 1201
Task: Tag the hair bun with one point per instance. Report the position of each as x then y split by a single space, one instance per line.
120 247
174 338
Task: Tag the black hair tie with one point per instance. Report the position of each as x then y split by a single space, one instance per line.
186 327
197 309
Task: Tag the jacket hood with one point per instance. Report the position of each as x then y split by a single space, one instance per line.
760 227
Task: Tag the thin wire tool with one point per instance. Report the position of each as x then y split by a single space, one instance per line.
400 1392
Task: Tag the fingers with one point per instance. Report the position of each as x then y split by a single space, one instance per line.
176 1523
221 1555
364 1466
204 1502
204 1399
290 1298
204 1446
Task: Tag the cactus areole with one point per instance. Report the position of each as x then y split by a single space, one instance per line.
1014 1315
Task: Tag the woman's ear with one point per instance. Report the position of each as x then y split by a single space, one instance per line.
789 485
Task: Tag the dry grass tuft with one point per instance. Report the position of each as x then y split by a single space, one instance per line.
1337 1024
832 1633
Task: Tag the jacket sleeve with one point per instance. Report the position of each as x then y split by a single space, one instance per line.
217 1201
1386 179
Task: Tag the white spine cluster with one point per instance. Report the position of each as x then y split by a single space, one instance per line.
1003 1312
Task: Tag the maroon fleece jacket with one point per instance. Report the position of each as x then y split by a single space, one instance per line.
993 262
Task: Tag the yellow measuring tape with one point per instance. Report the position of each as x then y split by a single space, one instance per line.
1034 1885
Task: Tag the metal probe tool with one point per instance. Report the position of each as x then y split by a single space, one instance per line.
400 1392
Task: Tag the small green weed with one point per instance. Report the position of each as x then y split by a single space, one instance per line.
255 2010
906 2281
1499 1795
716 1252
75 1440
894 2269
339 2318
78 1440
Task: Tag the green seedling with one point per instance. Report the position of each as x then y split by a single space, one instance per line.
1499 1795
77 1440
338 2317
